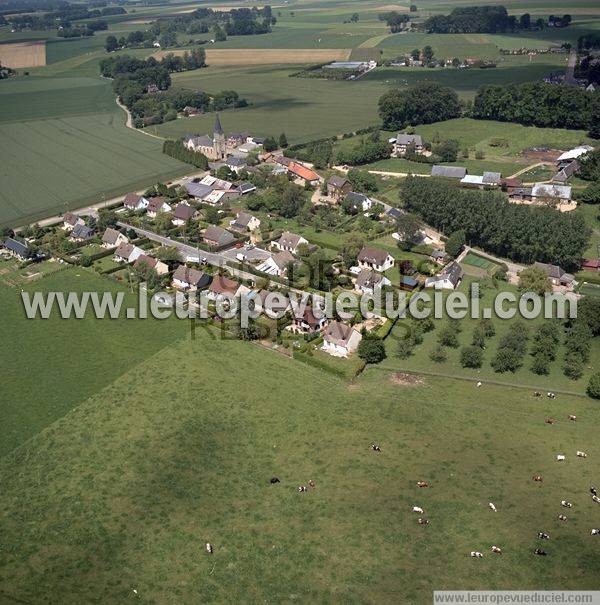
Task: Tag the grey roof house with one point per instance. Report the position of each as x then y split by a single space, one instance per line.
449 172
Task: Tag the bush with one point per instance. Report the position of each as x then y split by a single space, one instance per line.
438 354
447 337
471 357
405 348
372 351
541 365
573 366
593 388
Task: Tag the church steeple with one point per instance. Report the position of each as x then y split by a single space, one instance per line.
219 142
218 128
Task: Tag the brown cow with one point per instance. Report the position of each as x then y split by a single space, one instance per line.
537 478
422 484
550 421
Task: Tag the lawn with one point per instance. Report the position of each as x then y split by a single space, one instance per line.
123 492
50 366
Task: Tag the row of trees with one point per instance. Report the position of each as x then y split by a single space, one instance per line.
394 20
177 150
511 349
520 232
61 17
538 104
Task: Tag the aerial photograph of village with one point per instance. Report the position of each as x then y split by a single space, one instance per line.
300 302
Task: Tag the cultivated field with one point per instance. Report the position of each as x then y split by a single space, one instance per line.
268 56
23 54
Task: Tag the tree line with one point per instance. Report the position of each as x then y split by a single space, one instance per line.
519 232
177 150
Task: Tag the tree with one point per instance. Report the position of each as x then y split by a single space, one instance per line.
283 142
424 103
427 53
270 144
351 248
362 181
413 8
446 150
111 44
409 227
371 350
455 64
541 365
455 243
573 366
525 21
591 194
593 388
590 166
534 279
594 131
471 357
438 354
405 348
106 218
447 337
506 360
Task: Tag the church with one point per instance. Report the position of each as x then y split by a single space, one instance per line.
214 148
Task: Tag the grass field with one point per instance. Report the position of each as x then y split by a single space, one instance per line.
122 492
23 54
478 261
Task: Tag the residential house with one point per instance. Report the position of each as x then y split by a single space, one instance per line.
198 190
277 264
127 253
368 281
448 279
113 238
81 233
394 213
156 205
222 287
449 172
403 142
338 187
557 276
218 237
359 201
303 173
70 220
245 222
289 242
17 248
135 202
183 213
375 258
214 183
341 340
151 263
307 323
185 278
218 196
246 188
236 163
438 257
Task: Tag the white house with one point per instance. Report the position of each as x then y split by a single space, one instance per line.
150 262
70 221
127 253
289 242
185 278
277 264
113 238
156 205
448 279
374 258
245 222
135 202
368 281
340 340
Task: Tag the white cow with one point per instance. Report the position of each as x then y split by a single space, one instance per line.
596 499
497 550
476 554
560 457
417 509
491 505
209 548
595 532
581 454
565 504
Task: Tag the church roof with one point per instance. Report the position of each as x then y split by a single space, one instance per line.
218 127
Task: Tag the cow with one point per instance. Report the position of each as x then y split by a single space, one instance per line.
560 457
302 488
423 521
537 394
497 550
540 552
311 483
417 509
593 491
550 421
562 518
274 480
479 383
209 548
581 454
537 478
492 506
572 417
543 536
375 447
565 504
422 484
595 532
551 395
476 554
596 499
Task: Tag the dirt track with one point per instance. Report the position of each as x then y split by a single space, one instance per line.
267 56
23 54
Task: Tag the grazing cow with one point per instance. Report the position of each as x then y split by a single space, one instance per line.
562 518
497 550
209 548
476 554
593 491
550 421
543 536
274 480
422 484
417 509
596 499
565 504
560 457
537 478
572 417
581 454
375 447
537 394
540 552
311 483
302 488
492 506
595 532
551 396
423 521
479 383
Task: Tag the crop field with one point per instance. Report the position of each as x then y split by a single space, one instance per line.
163 451
23 54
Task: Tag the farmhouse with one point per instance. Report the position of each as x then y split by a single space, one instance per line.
218 237
183 213
449 172
359 201
564 174
149 262
214 148
135 202
368 281
156 205
17 248
185 278
338 187
289 242
81 233
557 276
448 279
113 238
245 222
70 220
127 253
303 173
340 340
306 323
568 156
222 286
375 258
405 142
